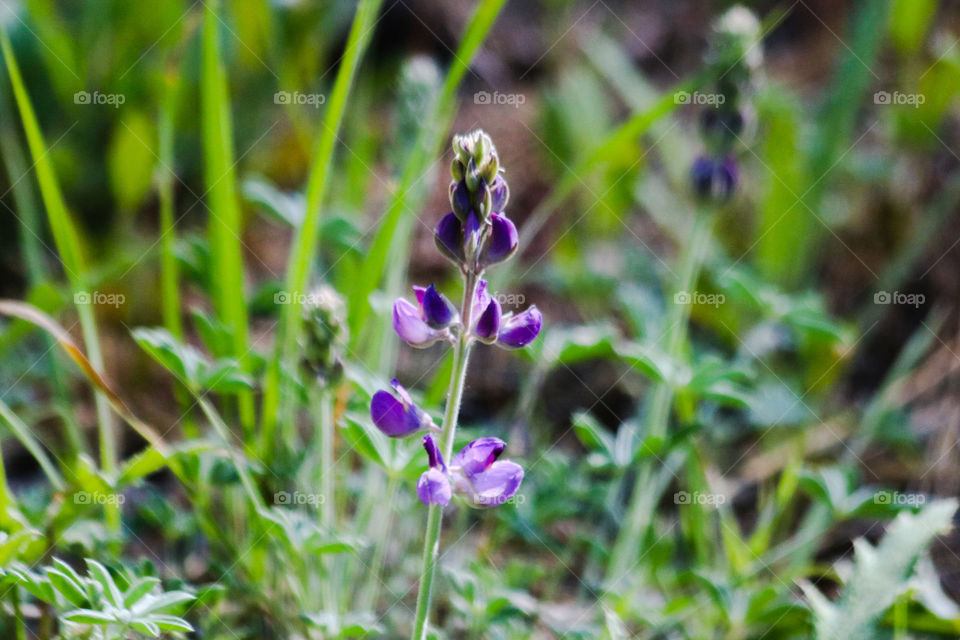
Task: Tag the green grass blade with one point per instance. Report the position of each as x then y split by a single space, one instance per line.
31 233
67 240
307 235
25 436
225 225
393 232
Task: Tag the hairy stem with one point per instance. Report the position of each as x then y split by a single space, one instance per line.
431 544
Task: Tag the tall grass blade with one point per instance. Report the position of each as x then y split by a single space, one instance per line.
225 225
307 235
67 240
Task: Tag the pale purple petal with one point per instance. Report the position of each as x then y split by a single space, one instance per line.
410 327
500 193
481 300
434 487
478 455
497 484
520 330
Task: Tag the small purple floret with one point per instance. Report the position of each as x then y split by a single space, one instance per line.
520 330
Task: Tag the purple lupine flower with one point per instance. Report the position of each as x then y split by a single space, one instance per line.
487 328
517 331
422 325
438 312
398 417
503 240
714 179
475 474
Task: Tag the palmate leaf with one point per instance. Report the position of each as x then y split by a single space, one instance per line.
880 574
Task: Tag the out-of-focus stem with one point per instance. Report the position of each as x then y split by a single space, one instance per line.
644 501
369 594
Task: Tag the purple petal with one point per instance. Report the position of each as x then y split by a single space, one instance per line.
433 452
487 328
477 456
497 484
392 417
410 327
503 239
500 194
419 292
434 487
449 239
520 330
438 312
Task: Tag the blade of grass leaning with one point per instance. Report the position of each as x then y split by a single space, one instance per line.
24 434
225 225
68 245
276 399
31 234
418 161
29 313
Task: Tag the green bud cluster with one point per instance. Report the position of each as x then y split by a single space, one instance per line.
325 337
475 169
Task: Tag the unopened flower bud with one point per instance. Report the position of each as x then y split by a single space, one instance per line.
714 179
457 170
325 336
460 199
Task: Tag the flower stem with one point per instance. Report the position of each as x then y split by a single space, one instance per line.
431 543
645 500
